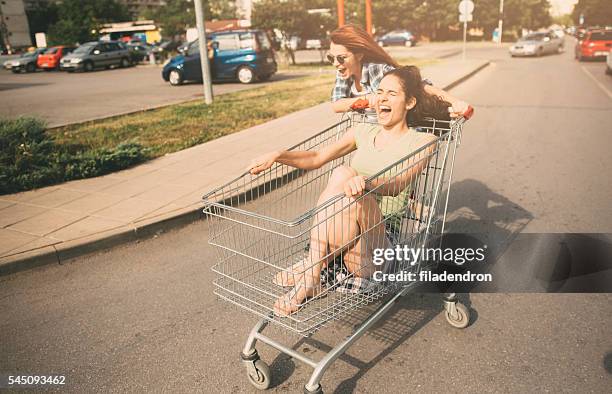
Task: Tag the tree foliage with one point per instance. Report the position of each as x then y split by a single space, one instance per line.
292 18
176 16
596 12
435 19
80 20
41 15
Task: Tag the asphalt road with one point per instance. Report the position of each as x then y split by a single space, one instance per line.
62 98
535 158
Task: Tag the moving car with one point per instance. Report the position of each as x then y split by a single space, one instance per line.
26 62
243 55
537 44
397 37
50 60
595 45
92 55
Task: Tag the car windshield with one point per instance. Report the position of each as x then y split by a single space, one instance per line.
534 37
601 36
83 49
51 51
194 48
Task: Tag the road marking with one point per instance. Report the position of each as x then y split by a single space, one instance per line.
601 86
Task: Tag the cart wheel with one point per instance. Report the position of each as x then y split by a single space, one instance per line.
463 317
319 390
260 377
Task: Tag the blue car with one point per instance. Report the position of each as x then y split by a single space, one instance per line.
243 55
397 37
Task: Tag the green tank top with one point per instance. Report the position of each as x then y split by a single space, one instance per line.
368 160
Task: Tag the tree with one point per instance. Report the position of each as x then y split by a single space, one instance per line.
176 16
41 15
80 20
291 18
518 14
595 12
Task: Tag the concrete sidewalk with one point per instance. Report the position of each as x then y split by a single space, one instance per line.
53 224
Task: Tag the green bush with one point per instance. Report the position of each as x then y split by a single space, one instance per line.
30 158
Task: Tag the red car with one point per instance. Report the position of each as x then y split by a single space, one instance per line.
50 60
595 45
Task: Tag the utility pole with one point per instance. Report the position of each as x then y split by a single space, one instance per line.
501 21
368 15
340 5
207 80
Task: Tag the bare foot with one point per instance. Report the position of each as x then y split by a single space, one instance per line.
287 278
290 302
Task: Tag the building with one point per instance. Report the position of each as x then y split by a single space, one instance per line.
145 31
14 29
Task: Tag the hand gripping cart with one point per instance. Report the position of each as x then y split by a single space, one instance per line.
262 225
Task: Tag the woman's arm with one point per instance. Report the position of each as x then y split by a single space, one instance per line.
344 104
459 106
306 160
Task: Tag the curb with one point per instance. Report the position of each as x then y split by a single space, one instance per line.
63 252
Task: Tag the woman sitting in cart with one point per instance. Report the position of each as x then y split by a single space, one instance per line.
354 226
360 65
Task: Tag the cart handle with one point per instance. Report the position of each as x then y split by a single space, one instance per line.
362 104
469 112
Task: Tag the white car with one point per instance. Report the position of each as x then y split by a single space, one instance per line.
609 63
537 44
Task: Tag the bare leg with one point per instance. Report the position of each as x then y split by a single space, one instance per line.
336 228
318 233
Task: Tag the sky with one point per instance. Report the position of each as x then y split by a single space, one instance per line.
561 7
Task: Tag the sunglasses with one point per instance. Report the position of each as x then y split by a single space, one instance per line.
339 58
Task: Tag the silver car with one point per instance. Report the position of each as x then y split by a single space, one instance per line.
92 55
537 44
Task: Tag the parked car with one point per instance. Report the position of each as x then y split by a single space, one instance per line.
50 60
595 45
92 55
397 37
26 62
243 55
139 52
537 44
609 63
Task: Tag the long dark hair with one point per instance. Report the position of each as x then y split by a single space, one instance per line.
357 40
427 105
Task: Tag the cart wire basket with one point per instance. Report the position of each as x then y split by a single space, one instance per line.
263 227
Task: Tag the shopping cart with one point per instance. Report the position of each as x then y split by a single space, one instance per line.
262 224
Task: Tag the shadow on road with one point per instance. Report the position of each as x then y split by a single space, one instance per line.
13 86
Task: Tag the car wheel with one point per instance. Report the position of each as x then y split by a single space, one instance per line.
88 66
408 43
175 77
30 67
245 74
16 70
539 52
124 62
